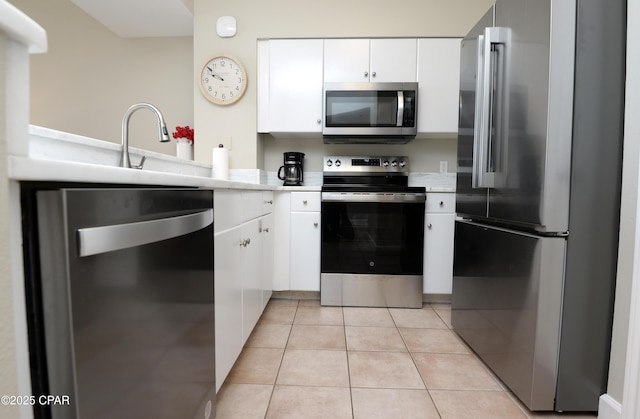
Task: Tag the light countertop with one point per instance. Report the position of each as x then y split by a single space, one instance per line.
58 156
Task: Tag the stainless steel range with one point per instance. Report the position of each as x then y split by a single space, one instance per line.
372 233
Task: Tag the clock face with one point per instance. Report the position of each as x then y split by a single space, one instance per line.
223 80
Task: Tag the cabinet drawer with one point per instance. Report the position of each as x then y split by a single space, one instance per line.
227 207
305 201
440 202
252 204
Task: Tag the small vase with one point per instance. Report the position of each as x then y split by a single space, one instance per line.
184 149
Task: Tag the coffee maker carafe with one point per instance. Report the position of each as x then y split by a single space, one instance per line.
291 172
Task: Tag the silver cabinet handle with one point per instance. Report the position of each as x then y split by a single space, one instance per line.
429 226
441 203
366 74
245 242
373 74
96 240
304 202
315 224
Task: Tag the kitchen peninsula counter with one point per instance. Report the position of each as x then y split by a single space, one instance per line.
56 156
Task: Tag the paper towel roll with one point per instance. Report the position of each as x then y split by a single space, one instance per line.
220 163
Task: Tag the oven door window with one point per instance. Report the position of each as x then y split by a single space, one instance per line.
372 238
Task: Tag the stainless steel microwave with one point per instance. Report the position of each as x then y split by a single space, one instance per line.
370 112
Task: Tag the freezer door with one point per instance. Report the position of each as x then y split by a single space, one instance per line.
531 151
470 200
506 305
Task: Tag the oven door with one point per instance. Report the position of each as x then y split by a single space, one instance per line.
372 233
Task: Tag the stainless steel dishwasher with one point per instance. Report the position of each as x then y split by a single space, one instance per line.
127 309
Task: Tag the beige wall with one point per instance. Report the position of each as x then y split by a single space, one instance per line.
325 19
89 77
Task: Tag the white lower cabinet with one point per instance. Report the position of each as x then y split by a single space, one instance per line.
267 245
304 254
250 261
438 243
305 251
228 302
243 271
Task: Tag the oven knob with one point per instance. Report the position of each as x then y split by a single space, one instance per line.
385 163
329 163
394 163
402 163
338 163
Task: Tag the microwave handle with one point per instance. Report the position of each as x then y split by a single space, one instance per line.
400 115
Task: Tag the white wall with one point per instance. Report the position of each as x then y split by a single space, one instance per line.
89 77
321 19
628 221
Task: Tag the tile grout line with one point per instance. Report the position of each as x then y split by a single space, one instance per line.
273 389
416 365
346 351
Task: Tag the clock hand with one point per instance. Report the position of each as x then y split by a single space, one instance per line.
214 75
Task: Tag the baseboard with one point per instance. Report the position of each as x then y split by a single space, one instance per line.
296 295
609 408
436 298
315 295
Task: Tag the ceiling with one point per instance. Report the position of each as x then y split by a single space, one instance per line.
142 18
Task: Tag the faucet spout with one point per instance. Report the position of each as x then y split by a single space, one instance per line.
163 134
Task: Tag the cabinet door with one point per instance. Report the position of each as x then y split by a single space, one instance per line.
438 253
266 233
295 85
393 60
305 251
250 261
346 60
228 302
439 85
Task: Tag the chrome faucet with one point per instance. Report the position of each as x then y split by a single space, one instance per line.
163 134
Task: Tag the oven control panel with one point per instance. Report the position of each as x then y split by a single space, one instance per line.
358 164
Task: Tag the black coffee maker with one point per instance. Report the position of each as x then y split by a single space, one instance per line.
291 172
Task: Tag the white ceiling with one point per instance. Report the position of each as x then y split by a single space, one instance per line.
141 18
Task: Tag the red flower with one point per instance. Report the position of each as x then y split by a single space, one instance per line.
184 132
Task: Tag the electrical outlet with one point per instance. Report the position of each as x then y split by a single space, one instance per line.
444 166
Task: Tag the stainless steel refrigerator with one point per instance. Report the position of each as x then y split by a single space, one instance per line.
538 195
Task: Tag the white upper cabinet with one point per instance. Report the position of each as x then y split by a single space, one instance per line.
291 73
370 60
438 84
290 85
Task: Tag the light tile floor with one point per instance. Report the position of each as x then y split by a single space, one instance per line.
305 361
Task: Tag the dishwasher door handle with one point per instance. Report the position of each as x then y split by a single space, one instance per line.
96 240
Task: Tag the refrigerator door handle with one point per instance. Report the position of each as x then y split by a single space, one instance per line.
489 148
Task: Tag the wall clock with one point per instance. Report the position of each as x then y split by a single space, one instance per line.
223 79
